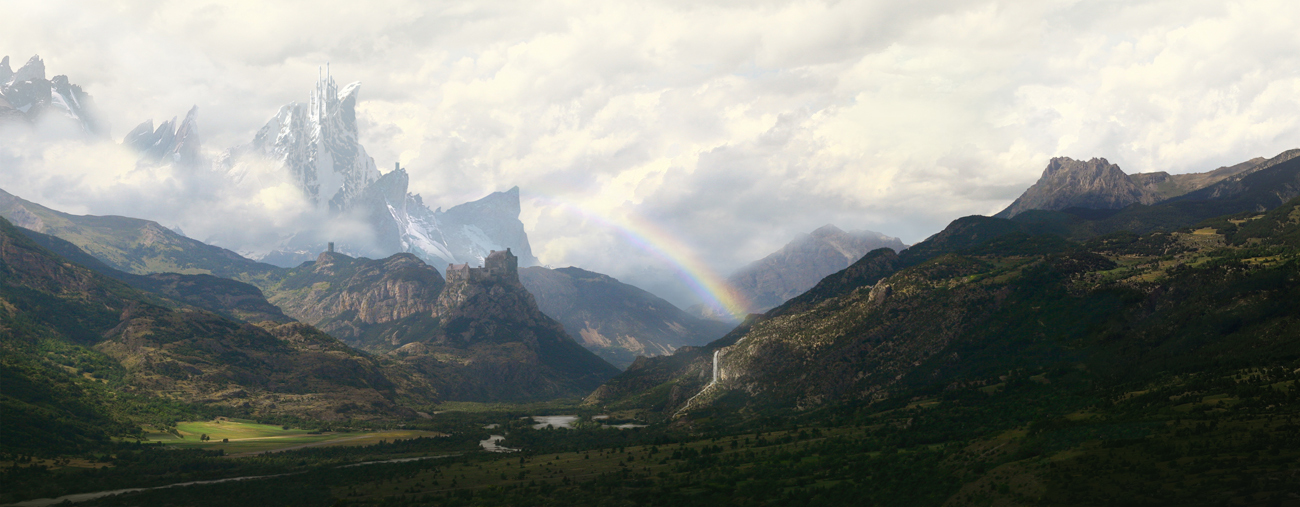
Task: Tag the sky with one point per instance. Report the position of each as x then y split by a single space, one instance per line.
727 128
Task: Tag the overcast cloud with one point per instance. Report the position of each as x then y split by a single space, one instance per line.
733 126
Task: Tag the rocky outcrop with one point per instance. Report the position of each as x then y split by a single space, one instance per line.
366 303
493 343
1069 183
799 265
481 338
1098 184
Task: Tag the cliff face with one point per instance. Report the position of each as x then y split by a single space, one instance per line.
1069 183
479 340
1098 184
366 303
492 343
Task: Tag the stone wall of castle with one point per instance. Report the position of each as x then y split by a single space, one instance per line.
499 265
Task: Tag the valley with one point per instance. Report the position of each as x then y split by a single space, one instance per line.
1112 336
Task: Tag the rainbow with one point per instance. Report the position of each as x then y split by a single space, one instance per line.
654 240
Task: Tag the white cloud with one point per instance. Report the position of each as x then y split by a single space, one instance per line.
733 125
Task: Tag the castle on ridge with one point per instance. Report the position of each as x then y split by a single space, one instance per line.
497 266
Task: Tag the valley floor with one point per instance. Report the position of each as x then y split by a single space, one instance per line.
1232 440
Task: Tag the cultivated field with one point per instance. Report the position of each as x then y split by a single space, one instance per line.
244 438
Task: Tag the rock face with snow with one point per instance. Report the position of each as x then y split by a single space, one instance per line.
318 144
169 143
26 96
799 265
463 234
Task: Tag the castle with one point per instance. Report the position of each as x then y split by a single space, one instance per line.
498 265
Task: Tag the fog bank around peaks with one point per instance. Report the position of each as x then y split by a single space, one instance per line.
249 208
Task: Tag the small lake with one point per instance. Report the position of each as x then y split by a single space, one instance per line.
555 421
490 445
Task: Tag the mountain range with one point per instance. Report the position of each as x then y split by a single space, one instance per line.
61 315
1108 339
800 264
991 294
1098 184
617 321
26 96
373 305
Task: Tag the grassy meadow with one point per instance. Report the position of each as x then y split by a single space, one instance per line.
243 437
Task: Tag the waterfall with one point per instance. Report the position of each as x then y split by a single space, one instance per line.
712 383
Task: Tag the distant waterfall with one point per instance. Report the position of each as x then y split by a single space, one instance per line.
712 383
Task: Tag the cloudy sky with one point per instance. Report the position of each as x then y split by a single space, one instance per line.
730 127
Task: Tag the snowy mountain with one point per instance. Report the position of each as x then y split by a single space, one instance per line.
169 143
25 95
363 212
463 234
317 143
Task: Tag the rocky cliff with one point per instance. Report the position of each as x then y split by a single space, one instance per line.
1098 184
375 305
475 340
493 343
1069 183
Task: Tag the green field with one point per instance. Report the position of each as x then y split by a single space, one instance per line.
247 437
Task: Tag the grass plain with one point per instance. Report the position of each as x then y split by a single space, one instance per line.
245 438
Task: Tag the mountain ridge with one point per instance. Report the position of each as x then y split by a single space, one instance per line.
801 263
617 321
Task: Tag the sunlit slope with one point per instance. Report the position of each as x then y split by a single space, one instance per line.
1122 307
102 341
133 245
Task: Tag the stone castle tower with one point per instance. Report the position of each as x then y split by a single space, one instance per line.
498 266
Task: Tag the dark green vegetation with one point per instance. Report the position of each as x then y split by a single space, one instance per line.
1252 192
1031 438
496 348
1129 369
133 245
1055 361
92 355
615 320
229 298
